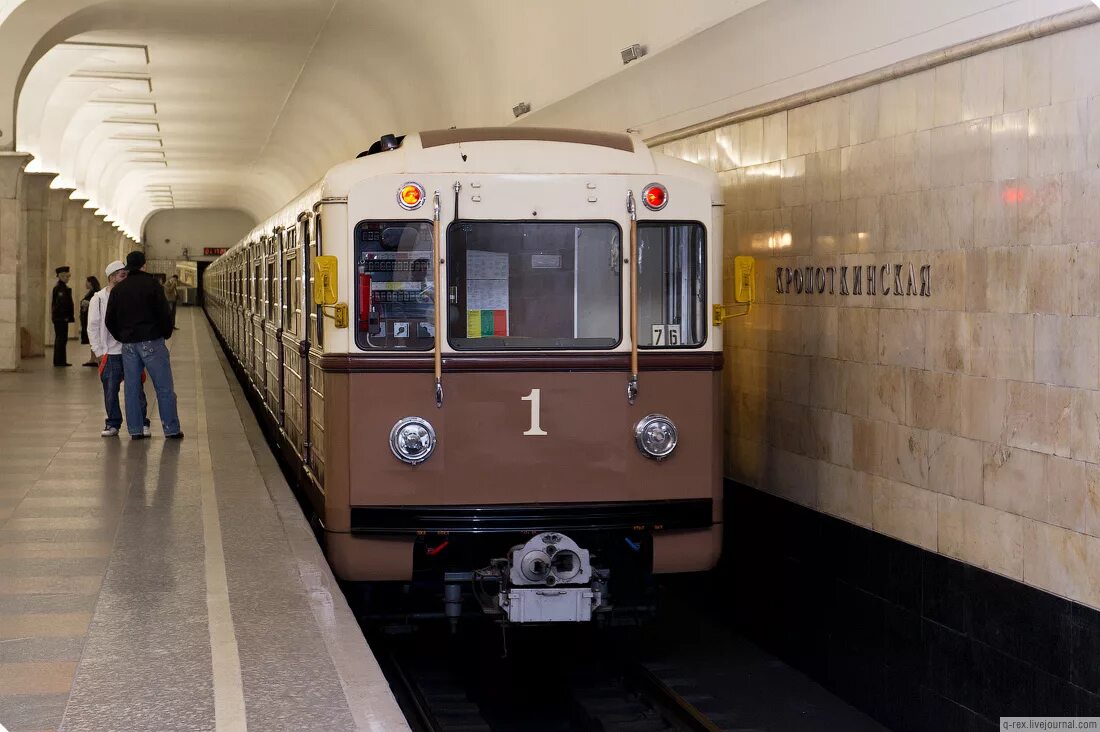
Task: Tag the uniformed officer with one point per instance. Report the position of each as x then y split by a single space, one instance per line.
61 313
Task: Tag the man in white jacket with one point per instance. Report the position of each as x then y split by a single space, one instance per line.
109 352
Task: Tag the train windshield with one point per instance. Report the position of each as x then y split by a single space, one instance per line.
533 285
395 292
672 296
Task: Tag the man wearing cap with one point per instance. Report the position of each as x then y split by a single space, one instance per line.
137 315
109 352
61 313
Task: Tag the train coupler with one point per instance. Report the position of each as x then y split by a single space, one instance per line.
550 579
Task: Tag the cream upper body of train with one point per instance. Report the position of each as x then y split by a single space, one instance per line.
536 444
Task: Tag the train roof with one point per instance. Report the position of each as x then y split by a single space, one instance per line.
512 150
494 151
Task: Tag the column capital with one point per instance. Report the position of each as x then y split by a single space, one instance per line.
73 206
57 199
36 188
11 169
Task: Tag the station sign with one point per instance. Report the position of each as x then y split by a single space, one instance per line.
214 251
889 279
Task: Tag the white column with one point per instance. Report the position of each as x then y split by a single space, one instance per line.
11 234
34 285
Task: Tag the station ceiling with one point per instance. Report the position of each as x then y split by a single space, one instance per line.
142 105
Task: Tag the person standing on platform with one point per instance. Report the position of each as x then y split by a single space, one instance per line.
91 287
137 315
172 292
109 352
61 313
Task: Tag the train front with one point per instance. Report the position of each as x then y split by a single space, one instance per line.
549 469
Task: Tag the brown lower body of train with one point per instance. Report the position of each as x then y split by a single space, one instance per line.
495 497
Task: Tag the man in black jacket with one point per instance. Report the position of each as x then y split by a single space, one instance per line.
61 313
138 317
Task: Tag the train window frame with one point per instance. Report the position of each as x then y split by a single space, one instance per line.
270 285
456 343
705 295
291 286
318 314
256 265
308 319
361 337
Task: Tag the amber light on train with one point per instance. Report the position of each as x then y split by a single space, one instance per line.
655 196
411 196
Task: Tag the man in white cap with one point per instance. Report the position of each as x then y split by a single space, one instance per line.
109 352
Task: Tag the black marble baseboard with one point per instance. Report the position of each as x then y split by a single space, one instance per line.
917 640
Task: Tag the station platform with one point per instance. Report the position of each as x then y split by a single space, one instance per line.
165 585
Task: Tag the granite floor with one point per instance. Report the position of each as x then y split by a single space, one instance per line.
164 585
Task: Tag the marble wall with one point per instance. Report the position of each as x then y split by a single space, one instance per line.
965 420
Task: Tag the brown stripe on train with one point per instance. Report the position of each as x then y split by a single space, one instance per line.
366 363
614 140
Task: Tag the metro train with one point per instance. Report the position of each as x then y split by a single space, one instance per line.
539 436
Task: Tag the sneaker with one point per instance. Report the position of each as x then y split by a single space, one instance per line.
146 432
139 437
109 432
177 436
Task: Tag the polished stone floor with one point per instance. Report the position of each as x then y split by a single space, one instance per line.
164 585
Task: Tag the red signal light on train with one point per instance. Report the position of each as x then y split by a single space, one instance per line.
411 196
655 196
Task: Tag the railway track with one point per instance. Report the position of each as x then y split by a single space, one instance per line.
453 685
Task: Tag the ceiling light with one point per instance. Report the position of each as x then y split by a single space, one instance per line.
151 138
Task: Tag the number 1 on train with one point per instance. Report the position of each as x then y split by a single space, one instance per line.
535 397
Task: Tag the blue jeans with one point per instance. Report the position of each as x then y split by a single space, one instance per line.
153 357
112 380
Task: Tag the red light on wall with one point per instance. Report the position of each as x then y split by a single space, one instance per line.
1014 194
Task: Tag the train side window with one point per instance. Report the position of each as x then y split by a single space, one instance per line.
672 285
308 282
256 288
394 288
292 283
270 290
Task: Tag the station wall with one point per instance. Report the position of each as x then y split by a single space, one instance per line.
193 229
923 363
964 420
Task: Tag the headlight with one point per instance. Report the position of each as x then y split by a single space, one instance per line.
412 440
656 436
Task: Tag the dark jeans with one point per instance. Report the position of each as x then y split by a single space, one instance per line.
112 380
153 357
60 338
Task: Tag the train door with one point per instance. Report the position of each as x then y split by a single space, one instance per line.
259 308
315 402
271 324
285 245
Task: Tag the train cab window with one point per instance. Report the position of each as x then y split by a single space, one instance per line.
394 291
672 293
534 285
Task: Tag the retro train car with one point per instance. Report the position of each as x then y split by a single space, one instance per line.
540 432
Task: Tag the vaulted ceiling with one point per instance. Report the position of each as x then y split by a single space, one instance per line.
142 105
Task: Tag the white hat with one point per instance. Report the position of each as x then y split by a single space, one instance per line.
114 266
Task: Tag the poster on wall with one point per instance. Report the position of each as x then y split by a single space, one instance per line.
188 273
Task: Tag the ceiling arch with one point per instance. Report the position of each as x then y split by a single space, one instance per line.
147 104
